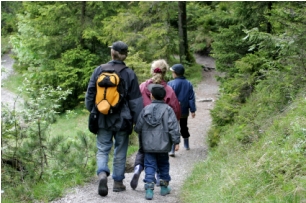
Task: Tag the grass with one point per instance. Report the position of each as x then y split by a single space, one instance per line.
271 169
5 44
71 122
57 184
12 83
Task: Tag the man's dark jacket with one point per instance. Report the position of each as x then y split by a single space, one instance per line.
127 116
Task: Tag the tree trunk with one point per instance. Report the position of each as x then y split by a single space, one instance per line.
269 26
182 24
83 13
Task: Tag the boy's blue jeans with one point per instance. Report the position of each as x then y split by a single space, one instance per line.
105 141
154 162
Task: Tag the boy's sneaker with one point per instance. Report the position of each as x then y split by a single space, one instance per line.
186 143
137 172
171 153
164 188
149 187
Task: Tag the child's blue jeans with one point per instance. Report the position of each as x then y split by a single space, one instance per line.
154 162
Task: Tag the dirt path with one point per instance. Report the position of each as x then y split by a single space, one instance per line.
180 166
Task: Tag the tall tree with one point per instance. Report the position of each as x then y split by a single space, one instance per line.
182 24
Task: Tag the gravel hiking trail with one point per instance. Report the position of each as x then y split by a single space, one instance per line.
180 166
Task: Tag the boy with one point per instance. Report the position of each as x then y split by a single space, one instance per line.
159 129
185 94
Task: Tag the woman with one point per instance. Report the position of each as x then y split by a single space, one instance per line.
159 69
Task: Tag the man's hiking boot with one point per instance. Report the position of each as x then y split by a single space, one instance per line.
149 187
186 143
172 152
102 189
118 186
135 178
164 188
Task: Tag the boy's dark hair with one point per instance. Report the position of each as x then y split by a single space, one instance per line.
158 91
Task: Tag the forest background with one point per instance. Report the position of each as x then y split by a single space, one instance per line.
258 137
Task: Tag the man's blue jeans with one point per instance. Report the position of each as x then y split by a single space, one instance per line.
154 162
104 144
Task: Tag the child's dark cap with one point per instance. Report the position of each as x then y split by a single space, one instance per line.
178 69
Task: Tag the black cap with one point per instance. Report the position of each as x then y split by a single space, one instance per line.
120 46
158 91
178 69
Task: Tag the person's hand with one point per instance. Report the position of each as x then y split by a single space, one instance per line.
177 147
193 114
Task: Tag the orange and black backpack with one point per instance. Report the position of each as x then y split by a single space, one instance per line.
111 89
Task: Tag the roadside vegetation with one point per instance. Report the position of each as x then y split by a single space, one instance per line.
258 137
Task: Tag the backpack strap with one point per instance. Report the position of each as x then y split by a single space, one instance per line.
110 67
118 67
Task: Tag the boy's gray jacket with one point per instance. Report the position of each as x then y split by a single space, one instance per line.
155 136
124 120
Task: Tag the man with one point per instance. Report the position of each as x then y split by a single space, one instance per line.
116 126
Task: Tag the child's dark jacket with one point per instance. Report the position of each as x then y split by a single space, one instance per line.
185 94
155 136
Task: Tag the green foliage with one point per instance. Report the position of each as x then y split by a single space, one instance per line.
32 153
275 69
59 45
5 45
145 27
259 116
8 17
193 74
272 169
202 19
72 72
37 114
224 111
226 51
228 45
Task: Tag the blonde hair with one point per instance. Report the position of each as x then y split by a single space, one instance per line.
163 66
117 56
